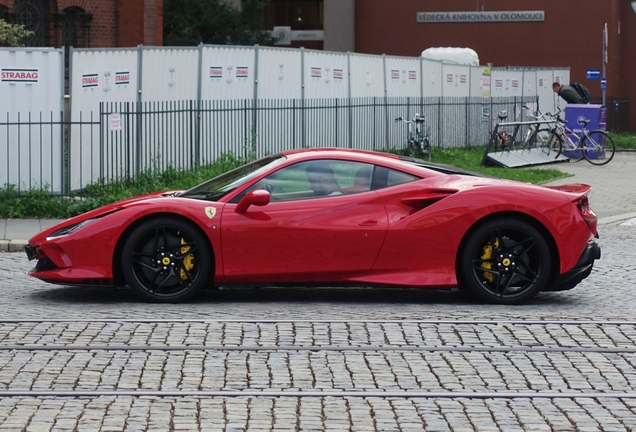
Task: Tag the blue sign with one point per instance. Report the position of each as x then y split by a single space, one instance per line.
593 74
603 84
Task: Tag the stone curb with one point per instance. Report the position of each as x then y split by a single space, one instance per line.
16 245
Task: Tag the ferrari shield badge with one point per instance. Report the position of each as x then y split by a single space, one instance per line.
210 212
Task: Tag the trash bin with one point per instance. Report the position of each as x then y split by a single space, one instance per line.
574 113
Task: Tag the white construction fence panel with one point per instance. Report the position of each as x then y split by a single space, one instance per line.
31 105
169 74
456 79
367 75
403 77
228 73
479 81
99 75
506 82
432 78
326 75
279 73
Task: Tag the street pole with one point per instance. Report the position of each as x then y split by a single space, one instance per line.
604 60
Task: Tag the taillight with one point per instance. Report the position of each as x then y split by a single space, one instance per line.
590 218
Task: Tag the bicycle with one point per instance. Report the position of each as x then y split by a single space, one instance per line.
538 134
596 146
418 144
503 139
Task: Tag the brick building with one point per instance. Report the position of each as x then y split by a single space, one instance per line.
87 23
550 33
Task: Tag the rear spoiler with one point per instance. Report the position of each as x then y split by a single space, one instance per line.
574 191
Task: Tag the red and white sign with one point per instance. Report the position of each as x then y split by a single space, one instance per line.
463 79
216 72
122 78
515 83
541 82
12 75
338 74
498 83
395 74
241 72
316 72
115 121
90 80
412 75
449 78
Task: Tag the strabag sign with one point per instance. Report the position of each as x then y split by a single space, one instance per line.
471 16
15 75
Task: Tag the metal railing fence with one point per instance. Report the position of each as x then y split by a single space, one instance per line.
133 137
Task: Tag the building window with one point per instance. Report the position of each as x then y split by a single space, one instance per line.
4 13
297 14
75 25
33 15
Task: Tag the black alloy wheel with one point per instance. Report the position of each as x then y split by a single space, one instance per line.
166 260
505 261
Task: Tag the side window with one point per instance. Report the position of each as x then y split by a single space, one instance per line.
398 177
319 178
386 177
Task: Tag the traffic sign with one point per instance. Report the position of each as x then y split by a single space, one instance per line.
593 74
603 84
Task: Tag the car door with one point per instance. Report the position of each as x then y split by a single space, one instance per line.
303 234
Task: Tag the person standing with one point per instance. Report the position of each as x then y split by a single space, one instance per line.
568 93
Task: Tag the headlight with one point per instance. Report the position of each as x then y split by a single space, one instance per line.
69 229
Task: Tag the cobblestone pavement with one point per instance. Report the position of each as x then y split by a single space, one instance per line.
315 359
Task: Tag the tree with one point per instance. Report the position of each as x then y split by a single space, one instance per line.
190 22
13 34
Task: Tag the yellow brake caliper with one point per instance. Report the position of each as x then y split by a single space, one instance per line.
188 261
487 255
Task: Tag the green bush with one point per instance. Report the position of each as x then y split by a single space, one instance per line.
39 203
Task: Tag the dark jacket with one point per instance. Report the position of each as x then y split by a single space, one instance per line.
570 95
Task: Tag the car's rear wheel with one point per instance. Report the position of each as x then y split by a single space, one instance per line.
505 261
166 260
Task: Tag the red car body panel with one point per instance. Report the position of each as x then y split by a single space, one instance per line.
404 235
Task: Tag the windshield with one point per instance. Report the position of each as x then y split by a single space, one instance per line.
220 186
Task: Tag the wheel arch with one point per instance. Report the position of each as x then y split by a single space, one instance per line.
118 275
555 263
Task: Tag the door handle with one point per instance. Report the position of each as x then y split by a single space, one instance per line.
368 223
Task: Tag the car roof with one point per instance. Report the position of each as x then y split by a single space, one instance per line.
375 157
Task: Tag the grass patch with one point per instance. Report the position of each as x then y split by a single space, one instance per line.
41 204
470 159
624 141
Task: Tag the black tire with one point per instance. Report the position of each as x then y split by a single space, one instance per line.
553 146
591 153
505 261
166 260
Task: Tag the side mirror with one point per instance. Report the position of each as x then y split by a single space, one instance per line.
259 197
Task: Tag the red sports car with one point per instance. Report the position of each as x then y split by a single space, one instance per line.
332 217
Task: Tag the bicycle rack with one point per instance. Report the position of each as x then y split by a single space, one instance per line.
518 158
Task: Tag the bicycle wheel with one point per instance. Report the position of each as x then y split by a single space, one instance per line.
426 147
598 148
553 145
411 147
422 149
540 138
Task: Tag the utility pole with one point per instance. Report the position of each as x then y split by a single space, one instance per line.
603 78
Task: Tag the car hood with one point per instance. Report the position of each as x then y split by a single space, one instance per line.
106 209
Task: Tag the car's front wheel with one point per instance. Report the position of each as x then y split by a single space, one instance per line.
505 261
166 260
